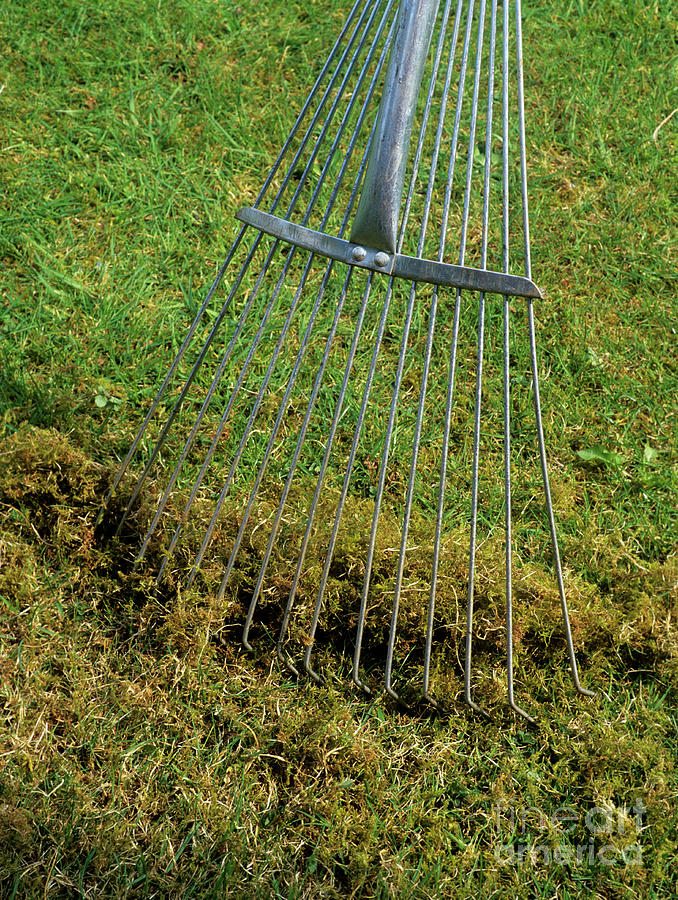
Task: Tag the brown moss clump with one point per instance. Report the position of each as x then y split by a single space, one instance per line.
51 527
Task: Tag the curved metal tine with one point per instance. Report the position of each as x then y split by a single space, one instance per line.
196 366
339 405
349 468
190 440
323 468
226 415
236 459
330 206
281 340
384 462
431 328
506 374
425 687
304 427
168 377
549 507
198 316
290 172
481 330
453 355
408 500
380 492
286 661
533 360
293 463
330 551
226 357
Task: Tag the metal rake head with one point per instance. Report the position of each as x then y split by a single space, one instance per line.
336 352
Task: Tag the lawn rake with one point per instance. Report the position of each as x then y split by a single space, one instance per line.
399 127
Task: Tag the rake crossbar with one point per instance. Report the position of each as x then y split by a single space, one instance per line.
411 268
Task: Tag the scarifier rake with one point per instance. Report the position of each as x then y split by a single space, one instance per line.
350 163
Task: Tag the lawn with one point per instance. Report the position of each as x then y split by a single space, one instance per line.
143 753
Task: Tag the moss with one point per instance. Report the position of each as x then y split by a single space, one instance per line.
135 726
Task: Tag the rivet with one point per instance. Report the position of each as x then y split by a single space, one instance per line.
381 259
358 254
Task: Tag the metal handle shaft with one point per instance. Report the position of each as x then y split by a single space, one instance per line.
376 220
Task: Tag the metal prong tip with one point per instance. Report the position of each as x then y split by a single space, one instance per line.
358 254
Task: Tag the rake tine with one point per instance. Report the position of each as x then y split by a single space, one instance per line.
363 606
506 351
297 450
215 383
381 481
453 359
349 152
222 424
323 469
534 365
269 308
431 328
339 406
236 243
479 364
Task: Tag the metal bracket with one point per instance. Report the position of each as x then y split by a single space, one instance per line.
397 264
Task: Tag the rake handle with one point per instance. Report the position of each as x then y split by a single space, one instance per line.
376 220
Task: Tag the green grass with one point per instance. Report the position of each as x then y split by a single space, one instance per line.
141 754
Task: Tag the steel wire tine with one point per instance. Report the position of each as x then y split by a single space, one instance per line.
429 339
281 339
269 308
283 405
349 467
234 246
293 463
481 328
533 360
323 469
338 181
342 498
360 629
340 400
290 172
304 428
190 440
506 373
453 359
226 415
196 366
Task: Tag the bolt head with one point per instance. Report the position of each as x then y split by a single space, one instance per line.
381 259
358 254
